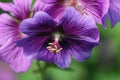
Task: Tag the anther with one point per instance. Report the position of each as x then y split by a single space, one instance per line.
48 47
58 50
50 43
54 47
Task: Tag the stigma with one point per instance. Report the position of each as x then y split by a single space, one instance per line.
54 47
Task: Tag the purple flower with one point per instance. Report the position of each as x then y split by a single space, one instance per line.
74 35
10 53
113 13
95 8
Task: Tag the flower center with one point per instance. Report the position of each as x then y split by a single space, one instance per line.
54 47
77 4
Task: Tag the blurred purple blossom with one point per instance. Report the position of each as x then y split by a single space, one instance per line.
95 8
113 13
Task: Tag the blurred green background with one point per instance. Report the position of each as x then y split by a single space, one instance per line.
104 63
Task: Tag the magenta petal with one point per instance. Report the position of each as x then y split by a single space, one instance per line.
15 58
23 8
7 6
20 8
55 11
8 28
38 6
96 8
9 52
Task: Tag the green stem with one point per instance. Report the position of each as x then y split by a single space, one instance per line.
41 70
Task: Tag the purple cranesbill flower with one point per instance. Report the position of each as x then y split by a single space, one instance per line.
74 35
10 53
95 8
113 13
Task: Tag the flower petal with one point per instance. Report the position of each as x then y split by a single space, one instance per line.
8 28
81 33
62 59
55 11
20 8
7 7
113 13
81 47
9 52
96 8
75 24
15 58
40 24
38 6
32 45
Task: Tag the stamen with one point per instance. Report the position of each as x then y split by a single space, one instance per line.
58 50
50 43
49 47
54 47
